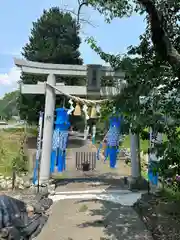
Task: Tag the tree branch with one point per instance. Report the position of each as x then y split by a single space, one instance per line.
79 20
81 4
160 37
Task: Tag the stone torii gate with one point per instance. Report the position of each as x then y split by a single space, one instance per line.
93 89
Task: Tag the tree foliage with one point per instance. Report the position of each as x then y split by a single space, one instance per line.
8 105
54 39
162 19
151 98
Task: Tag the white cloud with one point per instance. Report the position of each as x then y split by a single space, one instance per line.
10 78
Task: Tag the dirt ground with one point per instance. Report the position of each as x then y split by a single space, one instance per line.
93 220
161 216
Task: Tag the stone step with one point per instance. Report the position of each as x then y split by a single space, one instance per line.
122 197
95 191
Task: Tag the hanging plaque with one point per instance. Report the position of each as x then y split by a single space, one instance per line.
93 79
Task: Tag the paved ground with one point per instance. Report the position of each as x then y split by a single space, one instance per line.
80 219
93 220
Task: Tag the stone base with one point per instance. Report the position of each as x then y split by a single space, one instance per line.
44 188
156 190
138 184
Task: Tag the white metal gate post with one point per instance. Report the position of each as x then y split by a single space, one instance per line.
48 129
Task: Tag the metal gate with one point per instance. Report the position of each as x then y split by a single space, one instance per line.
86 160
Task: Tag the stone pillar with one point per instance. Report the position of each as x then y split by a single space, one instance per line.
48 130
135 160
136 181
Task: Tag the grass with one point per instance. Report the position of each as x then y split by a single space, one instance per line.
144 144
171 194
11 121
30 131
10 144
144 174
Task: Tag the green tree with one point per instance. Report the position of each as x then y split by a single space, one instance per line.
153 72
8 105
162 21
54 39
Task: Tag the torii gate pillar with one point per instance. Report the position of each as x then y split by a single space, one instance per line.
48 130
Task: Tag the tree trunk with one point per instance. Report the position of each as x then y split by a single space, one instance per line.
160 37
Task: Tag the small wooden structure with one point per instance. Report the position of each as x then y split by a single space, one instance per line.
85 159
